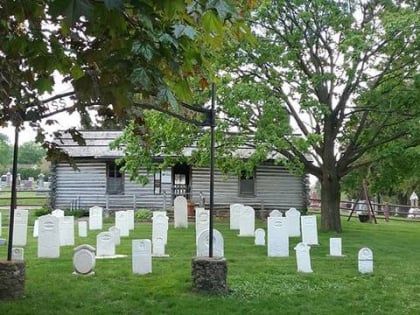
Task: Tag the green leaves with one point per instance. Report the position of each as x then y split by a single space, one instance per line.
184 30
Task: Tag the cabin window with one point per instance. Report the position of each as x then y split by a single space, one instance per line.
115 179
158 183
247 184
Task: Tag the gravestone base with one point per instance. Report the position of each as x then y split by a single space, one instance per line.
210 274
12 279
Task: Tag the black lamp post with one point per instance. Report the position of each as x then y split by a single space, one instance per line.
13 193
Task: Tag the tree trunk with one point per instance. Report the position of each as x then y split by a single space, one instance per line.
330 201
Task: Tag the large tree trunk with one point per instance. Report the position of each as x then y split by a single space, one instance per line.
330 201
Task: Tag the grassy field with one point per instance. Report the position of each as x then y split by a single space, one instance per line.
258 284
24 198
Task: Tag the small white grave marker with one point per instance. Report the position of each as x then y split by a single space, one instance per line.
247 222
158 248
116 233
303 258
20 228
335 247
278 237
142 256
36 228
235 213
309 230
95 218
365 260
203 244
130 219
180 212
276 213
83 227
121 222
259 237
58 213
48 237
84 259
17 253
66 227
202 218
293 222
105 246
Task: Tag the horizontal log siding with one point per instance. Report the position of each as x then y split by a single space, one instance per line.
86 187
275 188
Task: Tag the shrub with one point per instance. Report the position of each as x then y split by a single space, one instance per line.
143 215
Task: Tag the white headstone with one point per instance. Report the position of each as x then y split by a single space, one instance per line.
335 246
260 237
293 222
57 213
202 219
84 259
203 244
116 233
130 219
235 213
180 212
278 237
303 258
142 256
0 224
17 253
95 218
309 229
20 228
36 228
247 222
82 225
105 245
276 213
365 260
66 226
48 237
158 247
121 222
160 227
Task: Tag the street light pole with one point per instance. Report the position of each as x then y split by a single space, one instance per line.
13 199
212 125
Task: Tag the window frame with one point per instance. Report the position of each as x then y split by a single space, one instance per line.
114 169
249 179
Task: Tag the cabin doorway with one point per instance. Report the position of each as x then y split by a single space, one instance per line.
181 180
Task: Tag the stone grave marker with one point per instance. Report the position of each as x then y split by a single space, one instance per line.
202 218
57 213
278 237
247 222
158 247
365 260
141 256
180 212
20 228
335 247
130 219
105 246
303 258
95 218
121 222
203 244
235 213
66 227
84 260
36 228
17 253
48 237
116 234
276 213
82 227
0 224
259 237
293 222
309 229
160 227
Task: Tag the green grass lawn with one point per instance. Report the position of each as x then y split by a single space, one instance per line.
24 198
258 284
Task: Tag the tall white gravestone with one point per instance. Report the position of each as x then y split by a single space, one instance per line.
303 258
335 247
0 224
259 237
180 212
95 218
105 246
203 245
66 226
158 247
121 223
36 228
293 222
48 237
84 259
116 234
235 213
130 219
57 213
160 227
247 222
365 260
276 213
202 219
82 227
278 237
141 256
20 228
309 230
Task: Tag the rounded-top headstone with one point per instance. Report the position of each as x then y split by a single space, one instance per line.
84 259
